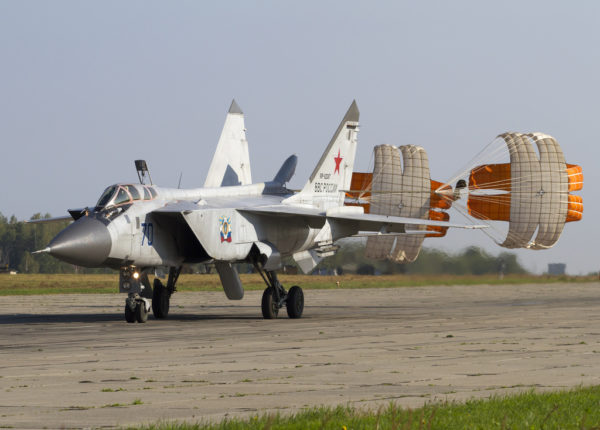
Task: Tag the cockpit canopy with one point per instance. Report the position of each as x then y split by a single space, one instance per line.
121 194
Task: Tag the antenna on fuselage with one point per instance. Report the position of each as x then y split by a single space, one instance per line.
142 171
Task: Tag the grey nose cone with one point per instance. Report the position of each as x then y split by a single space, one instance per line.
86 242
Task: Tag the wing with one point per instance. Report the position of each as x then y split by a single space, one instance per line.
350 217
227 233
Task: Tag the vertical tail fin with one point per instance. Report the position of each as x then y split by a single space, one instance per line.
286 171
231 163
331 178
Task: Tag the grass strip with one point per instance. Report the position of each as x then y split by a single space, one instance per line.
578 408
25 284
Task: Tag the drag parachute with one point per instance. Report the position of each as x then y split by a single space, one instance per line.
400 185
531 192
525 200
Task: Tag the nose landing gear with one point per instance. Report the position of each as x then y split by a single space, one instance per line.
136 309
141 297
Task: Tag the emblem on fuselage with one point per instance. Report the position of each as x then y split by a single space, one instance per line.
225 228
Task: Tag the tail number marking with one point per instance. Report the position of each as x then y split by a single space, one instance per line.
147 233
323 187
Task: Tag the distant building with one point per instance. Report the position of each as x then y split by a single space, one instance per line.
557 268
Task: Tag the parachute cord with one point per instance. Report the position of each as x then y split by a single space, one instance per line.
461 209
484 154
369 186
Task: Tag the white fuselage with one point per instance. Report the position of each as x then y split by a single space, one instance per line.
211 227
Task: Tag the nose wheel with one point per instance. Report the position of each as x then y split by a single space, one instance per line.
142 297
136 309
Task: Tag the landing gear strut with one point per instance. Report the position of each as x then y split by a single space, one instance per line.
161 296
275 297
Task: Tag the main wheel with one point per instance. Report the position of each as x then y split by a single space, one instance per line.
295 302
269 305
141 313
129 314
160 300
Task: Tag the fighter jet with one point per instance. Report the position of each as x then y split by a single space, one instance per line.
142 229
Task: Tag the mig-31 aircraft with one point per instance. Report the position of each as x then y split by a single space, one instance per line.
142 229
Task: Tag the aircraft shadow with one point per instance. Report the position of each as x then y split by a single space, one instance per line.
205 313
14 319
24 318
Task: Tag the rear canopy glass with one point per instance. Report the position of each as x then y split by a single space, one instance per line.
135 194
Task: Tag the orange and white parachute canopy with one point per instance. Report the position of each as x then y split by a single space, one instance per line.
530 194
400 185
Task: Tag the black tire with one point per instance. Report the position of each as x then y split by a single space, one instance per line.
160 300
129 314
141 313
269 305
295 302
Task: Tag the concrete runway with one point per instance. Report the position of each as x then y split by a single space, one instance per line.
71 361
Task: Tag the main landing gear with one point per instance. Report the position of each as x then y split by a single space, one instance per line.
275 297
141 297
161 296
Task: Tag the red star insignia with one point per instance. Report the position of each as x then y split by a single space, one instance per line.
338 160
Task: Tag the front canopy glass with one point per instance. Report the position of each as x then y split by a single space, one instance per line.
106 197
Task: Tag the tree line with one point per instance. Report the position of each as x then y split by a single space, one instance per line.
350 258
19 239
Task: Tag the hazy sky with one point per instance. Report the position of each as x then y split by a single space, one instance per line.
87 87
